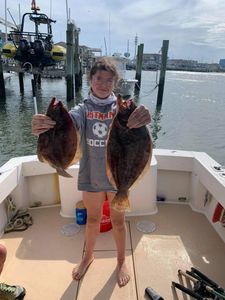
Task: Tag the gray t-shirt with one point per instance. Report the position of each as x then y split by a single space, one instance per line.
93 118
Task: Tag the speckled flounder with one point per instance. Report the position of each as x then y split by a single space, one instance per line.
58 146
128 153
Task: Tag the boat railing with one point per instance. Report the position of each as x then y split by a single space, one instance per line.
16 36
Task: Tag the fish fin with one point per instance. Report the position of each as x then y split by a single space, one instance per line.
43 160
78 153
121 202
62 172
146 168
40 157
109 175
144 171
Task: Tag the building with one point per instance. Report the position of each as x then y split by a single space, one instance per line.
151 61
222 63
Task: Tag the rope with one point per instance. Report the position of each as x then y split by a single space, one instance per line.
152 90
11 207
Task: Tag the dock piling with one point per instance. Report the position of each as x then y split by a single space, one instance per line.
77 62
165 47
70 62
21 82
139 67
39 80
33 84
2 82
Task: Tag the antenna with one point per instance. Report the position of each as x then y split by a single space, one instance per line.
50 9
67 14
13 19
105 46
6 35
127 54
109 37
135 45
19 16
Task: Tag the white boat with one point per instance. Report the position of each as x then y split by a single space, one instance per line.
179 194
126 85
7 76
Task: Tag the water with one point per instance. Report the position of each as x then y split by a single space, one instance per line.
192 115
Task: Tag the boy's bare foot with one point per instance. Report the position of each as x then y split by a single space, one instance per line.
123 275
79 271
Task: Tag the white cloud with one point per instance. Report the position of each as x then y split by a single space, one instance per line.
190 25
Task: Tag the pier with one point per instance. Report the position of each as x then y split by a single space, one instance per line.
2 83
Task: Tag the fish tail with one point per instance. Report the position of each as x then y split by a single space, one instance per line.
121 202
62 172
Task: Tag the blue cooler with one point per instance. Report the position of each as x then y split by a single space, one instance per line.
81 213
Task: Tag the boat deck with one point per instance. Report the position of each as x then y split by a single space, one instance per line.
41 258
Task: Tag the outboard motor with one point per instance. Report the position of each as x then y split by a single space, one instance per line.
38 46
48 43
24 46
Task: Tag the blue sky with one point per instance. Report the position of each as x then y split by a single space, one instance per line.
195 28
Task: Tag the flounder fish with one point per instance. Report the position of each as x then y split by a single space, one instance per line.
58 146
129 152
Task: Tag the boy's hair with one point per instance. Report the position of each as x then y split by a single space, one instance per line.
104 64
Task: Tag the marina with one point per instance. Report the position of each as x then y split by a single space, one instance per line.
177 218
191 118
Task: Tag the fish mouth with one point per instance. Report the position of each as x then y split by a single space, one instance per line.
129 102
55 102
126 104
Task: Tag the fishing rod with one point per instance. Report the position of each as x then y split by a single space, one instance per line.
33 83
203 287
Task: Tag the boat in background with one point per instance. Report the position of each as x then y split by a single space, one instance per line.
125 86
7 76
35 48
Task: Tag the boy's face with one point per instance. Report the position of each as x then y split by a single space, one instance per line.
102 84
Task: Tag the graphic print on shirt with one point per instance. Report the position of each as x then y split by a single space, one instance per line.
113 108
98 130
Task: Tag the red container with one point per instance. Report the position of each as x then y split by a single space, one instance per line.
105 224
